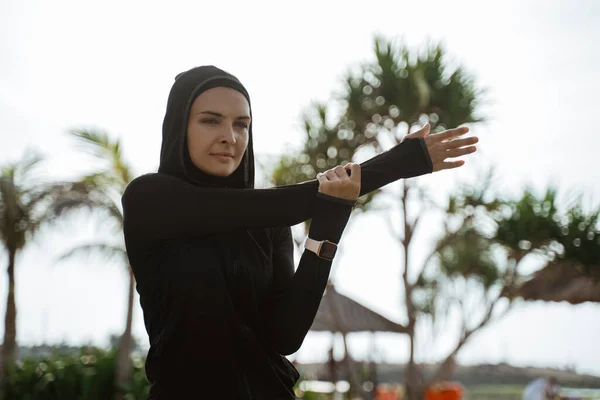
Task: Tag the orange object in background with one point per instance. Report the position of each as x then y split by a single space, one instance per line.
388 392
445 391
386 395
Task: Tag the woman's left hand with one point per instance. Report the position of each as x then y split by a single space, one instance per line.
441 147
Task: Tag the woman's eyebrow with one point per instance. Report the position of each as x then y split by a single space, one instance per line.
216 114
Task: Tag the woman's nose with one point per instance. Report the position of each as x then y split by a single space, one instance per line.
229 135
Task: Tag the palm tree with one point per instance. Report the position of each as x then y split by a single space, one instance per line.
100 192
397 91
24 204
402 89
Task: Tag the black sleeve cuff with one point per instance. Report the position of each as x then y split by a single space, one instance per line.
426 154
337 199
405 160
329 217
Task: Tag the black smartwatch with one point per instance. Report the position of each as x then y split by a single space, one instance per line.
324 248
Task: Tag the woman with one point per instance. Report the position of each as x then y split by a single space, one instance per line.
213 257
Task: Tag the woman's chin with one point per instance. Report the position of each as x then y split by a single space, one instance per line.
224 174
222 171
217 169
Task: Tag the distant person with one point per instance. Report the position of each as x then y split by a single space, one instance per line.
542 389
213 257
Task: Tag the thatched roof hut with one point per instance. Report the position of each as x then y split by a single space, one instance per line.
339 313
561 281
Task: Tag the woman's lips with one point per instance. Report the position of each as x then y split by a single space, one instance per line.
223 157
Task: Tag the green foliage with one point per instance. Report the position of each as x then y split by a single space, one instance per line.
404 85
399 89
25 205
580 239
470 255
324 148
117 173
88 375
314 396
468 250
21 202
530 222
425 295
536 224
100 192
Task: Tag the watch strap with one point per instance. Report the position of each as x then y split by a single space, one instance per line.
323 248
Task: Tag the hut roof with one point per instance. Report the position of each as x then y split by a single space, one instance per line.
339 313
561 281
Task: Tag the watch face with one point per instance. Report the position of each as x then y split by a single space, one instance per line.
328 250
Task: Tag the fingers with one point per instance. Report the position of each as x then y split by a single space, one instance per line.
321 177
424 131
332 175
341 173
447 145
451 133
460 152
451 164
336 182
355 172
460 142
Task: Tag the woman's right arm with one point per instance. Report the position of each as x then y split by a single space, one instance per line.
158 206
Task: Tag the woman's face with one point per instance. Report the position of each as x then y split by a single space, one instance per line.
217 131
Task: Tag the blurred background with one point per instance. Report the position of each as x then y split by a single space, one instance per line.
486 276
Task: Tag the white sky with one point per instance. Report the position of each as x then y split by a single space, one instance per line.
69 64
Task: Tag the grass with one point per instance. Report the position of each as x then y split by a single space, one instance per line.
494 392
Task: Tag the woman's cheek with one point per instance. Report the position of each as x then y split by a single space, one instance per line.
244 142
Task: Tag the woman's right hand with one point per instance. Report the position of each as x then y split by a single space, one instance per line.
336 182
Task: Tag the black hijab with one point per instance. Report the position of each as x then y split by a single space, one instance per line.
174 154
243 254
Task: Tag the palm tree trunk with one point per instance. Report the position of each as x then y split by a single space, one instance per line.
9 346
123 373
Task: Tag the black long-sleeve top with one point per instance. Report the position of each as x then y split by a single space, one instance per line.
215 272
190 311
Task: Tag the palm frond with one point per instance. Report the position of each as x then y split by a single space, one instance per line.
99 144
96 143
74 201
103 251
21 171
19 220
23 168
41 192
29 162
104 180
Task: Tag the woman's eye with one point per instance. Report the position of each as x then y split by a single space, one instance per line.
243 125
210 121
